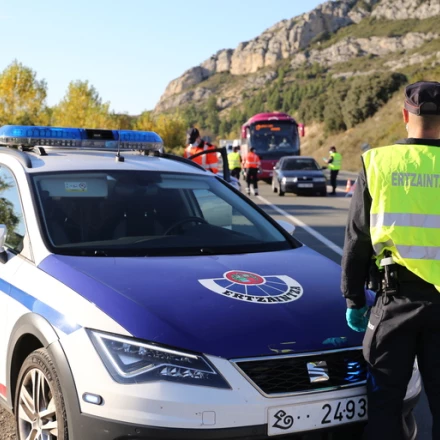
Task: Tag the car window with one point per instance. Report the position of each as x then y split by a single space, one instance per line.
149 213
300 164
11 212
220 213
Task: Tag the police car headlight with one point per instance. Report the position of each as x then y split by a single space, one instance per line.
289 179
132 361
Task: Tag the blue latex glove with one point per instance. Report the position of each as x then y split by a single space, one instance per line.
357 319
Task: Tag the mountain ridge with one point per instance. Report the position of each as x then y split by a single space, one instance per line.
299 40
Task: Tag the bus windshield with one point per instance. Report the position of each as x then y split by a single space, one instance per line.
274 136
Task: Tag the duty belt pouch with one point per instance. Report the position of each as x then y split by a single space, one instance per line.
390 284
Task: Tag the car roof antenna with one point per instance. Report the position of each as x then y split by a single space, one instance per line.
118 157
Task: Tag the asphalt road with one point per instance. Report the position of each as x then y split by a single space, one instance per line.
320 224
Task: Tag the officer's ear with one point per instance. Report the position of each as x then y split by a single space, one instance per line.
405 115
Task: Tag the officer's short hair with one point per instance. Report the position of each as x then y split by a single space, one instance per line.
423 98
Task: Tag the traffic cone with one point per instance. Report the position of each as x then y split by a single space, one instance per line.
348 186
350 193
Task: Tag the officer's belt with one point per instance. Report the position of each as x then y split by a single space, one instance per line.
404 275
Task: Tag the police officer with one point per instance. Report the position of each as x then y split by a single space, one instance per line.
394 219
234 162
252 165
334 165
196 145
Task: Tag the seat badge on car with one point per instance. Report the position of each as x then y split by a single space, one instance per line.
318 371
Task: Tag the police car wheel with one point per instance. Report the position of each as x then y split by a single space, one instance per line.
274 188
280 192
39 405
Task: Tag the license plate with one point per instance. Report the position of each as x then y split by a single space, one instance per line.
317 415
305 185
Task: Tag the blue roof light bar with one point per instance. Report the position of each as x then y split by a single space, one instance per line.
28 137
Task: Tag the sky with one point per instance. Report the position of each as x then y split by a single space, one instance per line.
129 50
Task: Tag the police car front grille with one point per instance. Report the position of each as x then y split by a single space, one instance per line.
303 374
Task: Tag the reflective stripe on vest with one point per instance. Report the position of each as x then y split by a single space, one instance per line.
252 161
201 160
397 219
234 160
187 151
207 161
211 159
337 161
404 185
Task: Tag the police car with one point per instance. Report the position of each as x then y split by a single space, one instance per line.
144 298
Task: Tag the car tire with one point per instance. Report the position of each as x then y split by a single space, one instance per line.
281 192
39 369
274 188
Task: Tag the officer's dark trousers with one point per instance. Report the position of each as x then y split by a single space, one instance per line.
236 173
333 179
406 327
252 177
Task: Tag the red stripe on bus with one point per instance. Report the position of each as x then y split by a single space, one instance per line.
2 390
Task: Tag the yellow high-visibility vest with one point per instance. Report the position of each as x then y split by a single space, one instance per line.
234 160
404 184
337 161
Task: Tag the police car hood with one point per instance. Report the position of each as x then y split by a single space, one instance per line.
229 305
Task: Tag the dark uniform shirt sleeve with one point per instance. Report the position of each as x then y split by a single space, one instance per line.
358 249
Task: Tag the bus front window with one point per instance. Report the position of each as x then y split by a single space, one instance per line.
275 137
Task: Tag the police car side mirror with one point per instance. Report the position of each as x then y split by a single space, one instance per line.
287 226
3 253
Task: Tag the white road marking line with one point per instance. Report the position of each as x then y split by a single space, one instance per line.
298 222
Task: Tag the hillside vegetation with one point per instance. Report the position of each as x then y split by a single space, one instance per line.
384 128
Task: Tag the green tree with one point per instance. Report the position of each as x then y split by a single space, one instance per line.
170 127
22 97
8 216
212 118
123 121
275 101
367 94
82 107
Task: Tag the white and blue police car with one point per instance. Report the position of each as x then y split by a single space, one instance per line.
142 297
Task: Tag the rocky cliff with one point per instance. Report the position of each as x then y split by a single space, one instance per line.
291 39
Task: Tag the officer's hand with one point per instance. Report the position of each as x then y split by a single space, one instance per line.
357 319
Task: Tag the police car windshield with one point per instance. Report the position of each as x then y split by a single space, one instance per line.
126 213
300 165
